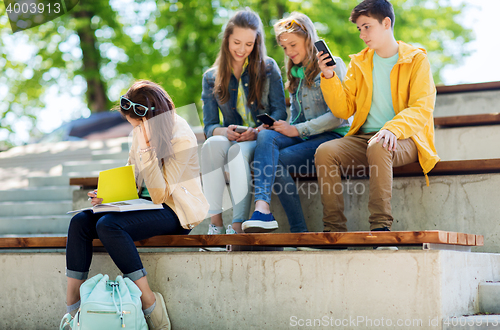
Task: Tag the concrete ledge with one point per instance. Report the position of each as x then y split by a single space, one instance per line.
472 103
270 290
463 203
489 298
464 143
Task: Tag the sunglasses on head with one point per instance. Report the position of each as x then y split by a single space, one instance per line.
139 109
289 25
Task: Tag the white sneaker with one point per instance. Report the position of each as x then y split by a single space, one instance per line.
230 230
214 230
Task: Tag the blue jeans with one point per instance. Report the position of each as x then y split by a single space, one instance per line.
275 157
117 232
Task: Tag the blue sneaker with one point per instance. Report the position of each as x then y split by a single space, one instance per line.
260 223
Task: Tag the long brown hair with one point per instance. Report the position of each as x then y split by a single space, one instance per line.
161 119
245 19
304 28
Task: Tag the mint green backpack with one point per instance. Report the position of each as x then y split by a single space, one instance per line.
108 305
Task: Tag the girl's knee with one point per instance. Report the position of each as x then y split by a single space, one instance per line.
243 149
80 220
106 224
215 145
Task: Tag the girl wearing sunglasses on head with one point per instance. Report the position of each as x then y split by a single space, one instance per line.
164 152
290 146
242 84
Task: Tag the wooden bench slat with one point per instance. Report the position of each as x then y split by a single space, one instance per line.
278 239
462 88
468 120
452 167
85 181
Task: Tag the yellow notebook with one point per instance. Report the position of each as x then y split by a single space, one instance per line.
117 184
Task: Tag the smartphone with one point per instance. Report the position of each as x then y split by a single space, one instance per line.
266 119
322 47
241 129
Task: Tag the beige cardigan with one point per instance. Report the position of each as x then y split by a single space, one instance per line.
177 183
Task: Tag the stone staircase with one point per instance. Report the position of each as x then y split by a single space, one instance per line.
38 178
442 288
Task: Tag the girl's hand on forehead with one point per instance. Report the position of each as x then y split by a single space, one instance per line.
327 70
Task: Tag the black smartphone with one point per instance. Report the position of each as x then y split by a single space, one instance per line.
322 47
241 129
266 119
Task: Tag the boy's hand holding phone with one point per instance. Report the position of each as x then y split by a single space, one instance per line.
323 59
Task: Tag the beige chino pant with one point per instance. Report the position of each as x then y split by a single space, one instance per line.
352 155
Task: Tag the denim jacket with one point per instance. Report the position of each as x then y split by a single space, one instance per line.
316 117
273 99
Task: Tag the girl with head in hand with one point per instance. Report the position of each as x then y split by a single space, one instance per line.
164 152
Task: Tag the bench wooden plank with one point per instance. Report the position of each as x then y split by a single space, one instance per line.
452 167
479 240
469 120
471 239
477 87
452 238
279 239
84 181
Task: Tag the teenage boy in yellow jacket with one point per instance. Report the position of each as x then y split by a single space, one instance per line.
390 91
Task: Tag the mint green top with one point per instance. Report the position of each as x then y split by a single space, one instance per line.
381 110
144 191
342 130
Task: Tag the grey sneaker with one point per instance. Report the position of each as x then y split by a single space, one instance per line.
158 319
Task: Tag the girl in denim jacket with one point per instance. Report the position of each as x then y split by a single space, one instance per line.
242 84
290 147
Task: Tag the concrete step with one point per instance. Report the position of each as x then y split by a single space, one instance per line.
471 103
24 225
92 166
44 181
115 153
35 208
349 290
463 143
48 193
489 298
458 203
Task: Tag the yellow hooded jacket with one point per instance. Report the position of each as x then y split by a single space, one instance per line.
413 98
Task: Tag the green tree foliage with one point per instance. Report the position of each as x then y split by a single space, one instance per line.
98 49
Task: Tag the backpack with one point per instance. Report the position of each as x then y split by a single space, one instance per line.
108 305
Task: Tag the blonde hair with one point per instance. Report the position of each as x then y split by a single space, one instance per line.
304 27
